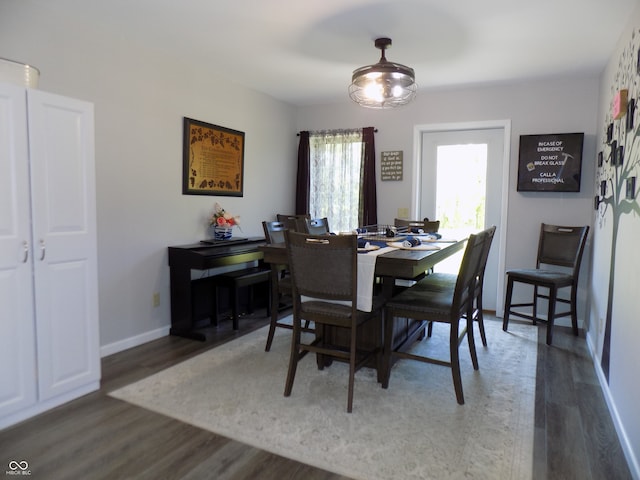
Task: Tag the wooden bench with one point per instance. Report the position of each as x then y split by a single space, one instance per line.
237 279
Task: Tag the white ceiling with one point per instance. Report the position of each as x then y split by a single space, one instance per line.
304 51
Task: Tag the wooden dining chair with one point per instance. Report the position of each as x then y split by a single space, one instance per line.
560 250
447 281
324 270
281 289
412 226
317 226
431 303
297 223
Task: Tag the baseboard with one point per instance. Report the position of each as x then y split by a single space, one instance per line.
131 342
632 460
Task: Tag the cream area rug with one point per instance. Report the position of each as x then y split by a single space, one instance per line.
413 430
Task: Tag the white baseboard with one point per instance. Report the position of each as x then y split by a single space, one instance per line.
632 460
131 342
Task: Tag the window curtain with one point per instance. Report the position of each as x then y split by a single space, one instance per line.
369 203
302 179
336 177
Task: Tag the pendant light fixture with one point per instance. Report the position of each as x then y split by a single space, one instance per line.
383 85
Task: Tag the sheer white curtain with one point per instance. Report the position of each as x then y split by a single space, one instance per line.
335 173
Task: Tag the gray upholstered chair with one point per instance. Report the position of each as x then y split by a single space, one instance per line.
429 302
560 249
324 270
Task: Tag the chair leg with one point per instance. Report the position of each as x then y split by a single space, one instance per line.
429 329
472 342
294 357
387 353
551 315
535 305
455 362
574 313
352 369
273 308
480 320
507 304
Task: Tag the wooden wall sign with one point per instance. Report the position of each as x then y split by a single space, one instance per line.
550 163
391 165
212 160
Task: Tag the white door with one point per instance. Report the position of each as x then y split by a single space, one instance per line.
61 133
495 135
17 340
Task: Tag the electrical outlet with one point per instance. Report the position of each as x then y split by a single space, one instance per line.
156 299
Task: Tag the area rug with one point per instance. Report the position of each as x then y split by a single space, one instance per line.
413 430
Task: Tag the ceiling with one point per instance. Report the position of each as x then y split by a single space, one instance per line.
304 52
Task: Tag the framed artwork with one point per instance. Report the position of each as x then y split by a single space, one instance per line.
550 163
212 160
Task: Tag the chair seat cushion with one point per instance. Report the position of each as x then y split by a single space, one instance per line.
426 299
340 311
541 276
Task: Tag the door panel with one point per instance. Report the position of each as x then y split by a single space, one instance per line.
496 137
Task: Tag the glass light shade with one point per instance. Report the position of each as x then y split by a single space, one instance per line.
18 73
383 85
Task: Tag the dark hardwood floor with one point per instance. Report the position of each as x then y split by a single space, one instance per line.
98 437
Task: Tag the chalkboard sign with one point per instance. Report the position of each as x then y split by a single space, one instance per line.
550 163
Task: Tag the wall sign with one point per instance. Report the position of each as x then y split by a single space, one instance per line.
391 165
550 163
212 160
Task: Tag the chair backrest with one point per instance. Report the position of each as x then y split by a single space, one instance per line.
562 246
274 231
469 272
297 223
323 266
317 226
490 232
425 225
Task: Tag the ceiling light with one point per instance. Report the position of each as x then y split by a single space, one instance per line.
383 85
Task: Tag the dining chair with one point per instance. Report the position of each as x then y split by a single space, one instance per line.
448 280
297 223
560 250
426 302
317 226
324 271
411 225
281 288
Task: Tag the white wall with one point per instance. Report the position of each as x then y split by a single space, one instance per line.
551 106
623 387
140 98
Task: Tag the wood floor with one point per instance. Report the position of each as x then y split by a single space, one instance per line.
98 437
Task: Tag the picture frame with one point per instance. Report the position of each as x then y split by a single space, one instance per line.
631 188
212 159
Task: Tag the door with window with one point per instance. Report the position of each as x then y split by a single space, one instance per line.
462 180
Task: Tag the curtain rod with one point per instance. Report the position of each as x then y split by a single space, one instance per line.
375 130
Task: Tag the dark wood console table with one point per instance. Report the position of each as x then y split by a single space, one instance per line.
202 256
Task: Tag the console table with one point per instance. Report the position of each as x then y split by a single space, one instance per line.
202 256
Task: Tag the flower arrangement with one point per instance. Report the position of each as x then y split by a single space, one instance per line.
223 219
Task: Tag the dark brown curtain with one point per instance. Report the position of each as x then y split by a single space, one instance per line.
369 206
303 179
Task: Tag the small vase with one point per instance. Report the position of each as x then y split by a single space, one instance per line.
222 233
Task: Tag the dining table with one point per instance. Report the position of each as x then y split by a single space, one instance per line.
391 264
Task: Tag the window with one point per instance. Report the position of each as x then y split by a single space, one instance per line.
336 176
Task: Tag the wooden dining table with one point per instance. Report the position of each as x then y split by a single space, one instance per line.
397 264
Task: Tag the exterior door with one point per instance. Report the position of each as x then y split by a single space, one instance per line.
495 136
